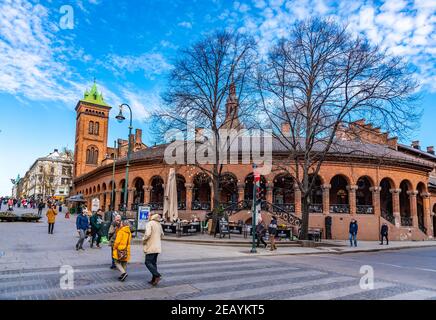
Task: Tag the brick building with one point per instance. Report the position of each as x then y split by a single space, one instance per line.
367 176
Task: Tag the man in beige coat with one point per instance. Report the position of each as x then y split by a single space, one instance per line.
152 246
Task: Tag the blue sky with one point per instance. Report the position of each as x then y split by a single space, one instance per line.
129 47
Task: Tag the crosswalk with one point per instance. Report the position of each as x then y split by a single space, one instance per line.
211 279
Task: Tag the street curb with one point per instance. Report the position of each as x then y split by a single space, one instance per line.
339 252
290 245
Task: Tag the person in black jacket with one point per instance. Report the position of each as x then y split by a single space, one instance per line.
260 232
384 233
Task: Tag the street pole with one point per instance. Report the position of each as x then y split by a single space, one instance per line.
253 217
120 117
113 179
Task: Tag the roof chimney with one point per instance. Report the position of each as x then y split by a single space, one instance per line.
138 136
56 150
430 150
415 144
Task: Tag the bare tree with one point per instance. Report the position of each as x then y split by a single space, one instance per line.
48 182
319 78
211 83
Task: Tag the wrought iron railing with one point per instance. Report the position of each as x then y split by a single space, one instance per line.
181 205
340 208
156 205
422 228
153 206
316 208
406 221
364 209
388 216
290 207
198 205
285 215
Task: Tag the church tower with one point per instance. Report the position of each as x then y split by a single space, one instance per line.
232 110
92 116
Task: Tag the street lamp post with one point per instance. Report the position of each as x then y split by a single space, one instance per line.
254 209
120 117
112 206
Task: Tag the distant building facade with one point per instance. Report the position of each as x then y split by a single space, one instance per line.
49 176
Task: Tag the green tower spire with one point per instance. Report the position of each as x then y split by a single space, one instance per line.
93 96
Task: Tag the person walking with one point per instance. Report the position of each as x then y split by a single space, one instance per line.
272 230
10 204
121 249
260 233
153 247
353 232
384 232
40 207
82 226
51 218
96 224
112 234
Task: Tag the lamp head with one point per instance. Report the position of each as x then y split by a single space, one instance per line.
120 117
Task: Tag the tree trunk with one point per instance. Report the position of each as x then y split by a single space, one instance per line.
215 200
305 217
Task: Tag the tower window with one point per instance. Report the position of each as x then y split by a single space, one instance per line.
91 127
92 155
96 128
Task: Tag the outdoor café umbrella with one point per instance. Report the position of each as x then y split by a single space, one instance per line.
170 201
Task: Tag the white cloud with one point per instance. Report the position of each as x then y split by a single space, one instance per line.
404 27
29 65
185 24
142 103
151 64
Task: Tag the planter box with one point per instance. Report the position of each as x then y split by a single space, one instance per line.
29 219
8 219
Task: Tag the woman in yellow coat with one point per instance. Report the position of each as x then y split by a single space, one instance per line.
51 218
121 249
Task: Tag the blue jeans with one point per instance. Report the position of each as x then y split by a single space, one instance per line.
353 237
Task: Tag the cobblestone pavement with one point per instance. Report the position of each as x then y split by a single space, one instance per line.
31 261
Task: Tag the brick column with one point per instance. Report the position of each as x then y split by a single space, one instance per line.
108 200
413 207
147 190
100 197
297 204
269 192
396 206
326 198
241 191
130 198
117 198
189 187
352 198
376 200
427 214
